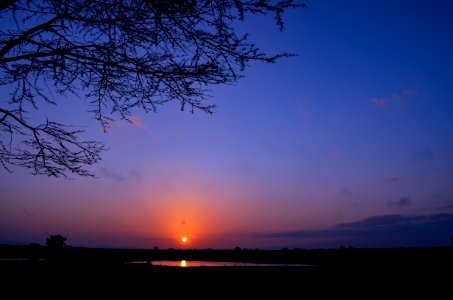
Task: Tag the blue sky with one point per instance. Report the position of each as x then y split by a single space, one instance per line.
358 125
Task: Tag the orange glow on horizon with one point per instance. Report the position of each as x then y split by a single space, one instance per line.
181 217
187 212
183 263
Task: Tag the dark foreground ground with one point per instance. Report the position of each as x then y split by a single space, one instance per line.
364 273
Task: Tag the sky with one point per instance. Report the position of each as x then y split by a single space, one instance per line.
348 143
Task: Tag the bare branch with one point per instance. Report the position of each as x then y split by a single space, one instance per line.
49 149
124 55
6 3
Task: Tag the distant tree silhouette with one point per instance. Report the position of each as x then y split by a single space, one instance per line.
56 242
122 55
55 245
34 251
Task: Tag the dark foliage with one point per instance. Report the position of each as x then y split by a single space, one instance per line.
119 55
56 241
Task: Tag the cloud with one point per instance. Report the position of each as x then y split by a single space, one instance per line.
245 167
375 222
404 201
424 155
405 96
133 122
393 180
379 102
345 192
401 97
277 194
410 92
336 154
136 121
135 174
302 110
447 205
28 214
112 175
380 231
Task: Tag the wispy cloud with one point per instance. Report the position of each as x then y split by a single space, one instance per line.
393 180
136 121
111 174
448 206
336 154
410 92
415 230
26 213
402 202
424 155
135 174
345 192
379 102
405 96
133 122
401 97
275 194
302 110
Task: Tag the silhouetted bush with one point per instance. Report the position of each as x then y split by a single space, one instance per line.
56 241
55 245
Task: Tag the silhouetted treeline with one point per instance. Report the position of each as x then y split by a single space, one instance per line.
422 272
320 257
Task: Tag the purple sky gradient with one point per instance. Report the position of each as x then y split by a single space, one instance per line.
358 125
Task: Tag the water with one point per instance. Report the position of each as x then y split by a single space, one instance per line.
201 263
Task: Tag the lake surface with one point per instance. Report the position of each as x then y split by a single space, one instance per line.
201 263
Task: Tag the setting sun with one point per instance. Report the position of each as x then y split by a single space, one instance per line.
184 239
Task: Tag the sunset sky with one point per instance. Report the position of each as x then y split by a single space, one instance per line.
349 143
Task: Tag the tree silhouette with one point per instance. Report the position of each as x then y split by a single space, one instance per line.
56 242
55 245
123 55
